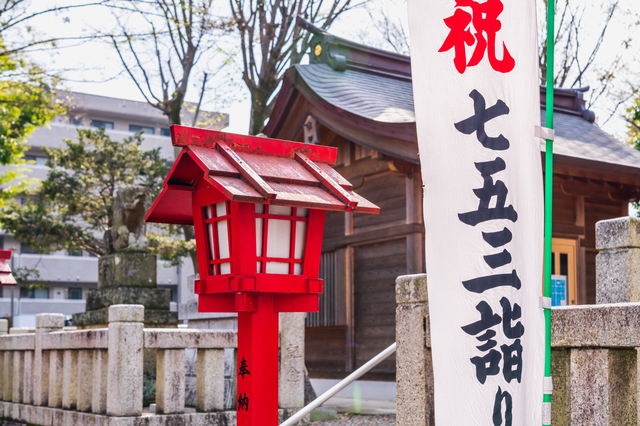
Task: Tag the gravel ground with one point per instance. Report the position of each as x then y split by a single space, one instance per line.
358 420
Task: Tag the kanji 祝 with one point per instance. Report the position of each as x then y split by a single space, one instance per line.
484 20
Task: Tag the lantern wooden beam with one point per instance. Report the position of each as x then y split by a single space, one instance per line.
326 181
247 172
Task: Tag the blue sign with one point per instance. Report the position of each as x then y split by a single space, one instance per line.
558 290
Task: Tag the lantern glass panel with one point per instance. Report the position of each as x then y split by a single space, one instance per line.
223 238
280 211
301 238
279 238
259 236
281 234
221 209
217 224
212 249
277 268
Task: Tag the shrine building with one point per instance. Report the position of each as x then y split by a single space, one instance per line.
360 100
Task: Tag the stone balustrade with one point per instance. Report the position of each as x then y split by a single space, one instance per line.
594 348
52 377
594 361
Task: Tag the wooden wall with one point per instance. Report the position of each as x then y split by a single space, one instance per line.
597 207
577 206
375 269
325 350
379 245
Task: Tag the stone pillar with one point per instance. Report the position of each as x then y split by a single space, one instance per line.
595 364
170 381
603 387
99 384
210 380
291 377
45 323
234 380
124 379
27 397
4 329
618 263
56 382
414 370
70 380
85 380
7 376
18 376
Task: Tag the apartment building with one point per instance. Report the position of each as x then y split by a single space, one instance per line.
66 277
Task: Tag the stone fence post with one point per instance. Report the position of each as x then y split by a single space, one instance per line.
125 360
45 323
594 364
4 327
291 377
414 369
618 263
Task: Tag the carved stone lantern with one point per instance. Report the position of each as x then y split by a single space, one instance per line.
258 207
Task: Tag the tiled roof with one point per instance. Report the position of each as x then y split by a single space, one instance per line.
576 137
255 170
368 95
390 100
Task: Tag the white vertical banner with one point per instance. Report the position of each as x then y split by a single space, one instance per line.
477 102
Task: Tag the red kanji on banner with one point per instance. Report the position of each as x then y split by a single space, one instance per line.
486 24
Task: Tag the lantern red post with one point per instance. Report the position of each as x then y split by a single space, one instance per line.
258 208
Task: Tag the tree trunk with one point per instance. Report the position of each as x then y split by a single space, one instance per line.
259 98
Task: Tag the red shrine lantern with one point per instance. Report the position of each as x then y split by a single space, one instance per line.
6 279
257 206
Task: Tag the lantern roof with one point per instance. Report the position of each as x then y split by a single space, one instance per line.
6 279
254 170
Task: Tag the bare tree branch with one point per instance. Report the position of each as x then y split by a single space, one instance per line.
269 41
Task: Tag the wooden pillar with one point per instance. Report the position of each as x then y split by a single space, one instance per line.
344 302
581 266
415 244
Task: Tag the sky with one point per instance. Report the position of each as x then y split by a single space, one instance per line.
95 68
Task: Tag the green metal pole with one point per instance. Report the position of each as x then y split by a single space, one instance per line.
548 195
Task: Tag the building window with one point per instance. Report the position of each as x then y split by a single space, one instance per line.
27 249
75 293
39 161
34 293
146 129
77 121
165 131
76 253
107 125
